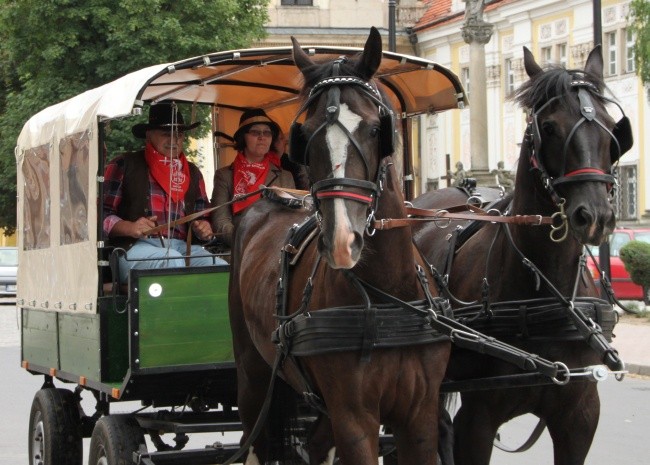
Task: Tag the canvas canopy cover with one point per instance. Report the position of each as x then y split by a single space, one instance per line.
59 153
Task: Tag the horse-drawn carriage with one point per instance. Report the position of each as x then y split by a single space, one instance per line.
350 320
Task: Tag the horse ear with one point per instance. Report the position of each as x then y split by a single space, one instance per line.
300 58
371 56
532 68
594 64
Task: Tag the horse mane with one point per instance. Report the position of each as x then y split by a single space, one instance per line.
555 81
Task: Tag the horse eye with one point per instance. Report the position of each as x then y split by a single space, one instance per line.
548 128
374 131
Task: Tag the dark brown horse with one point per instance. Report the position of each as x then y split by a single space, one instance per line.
353 180
564 171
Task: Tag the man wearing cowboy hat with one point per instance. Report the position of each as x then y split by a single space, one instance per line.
156 185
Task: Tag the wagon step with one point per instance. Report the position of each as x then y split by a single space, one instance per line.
188 427
216 453
219 453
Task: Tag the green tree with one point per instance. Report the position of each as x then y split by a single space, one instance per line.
636 258
640 23
51 50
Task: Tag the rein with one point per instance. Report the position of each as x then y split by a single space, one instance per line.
590 331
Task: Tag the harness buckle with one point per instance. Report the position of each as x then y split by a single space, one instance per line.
455 333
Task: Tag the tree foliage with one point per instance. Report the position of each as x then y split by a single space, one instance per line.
55 49
636 258
640 23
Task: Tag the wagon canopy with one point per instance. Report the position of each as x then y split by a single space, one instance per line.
58 149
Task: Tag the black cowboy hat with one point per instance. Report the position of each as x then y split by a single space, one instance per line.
163 115
255 116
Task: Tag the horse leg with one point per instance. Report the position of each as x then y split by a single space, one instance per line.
573 426
475 427
321 442
417 442
356 434
253 378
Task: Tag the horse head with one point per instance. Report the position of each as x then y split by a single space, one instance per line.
347 131
572 143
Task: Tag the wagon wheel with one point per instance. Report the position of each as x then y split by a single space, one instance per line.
55 434
114 440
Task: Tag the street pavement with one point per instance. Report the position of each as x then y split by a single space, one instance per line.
622 430
632 340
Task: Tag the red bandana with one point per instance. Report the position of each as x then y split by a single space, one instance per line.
172 175
248 177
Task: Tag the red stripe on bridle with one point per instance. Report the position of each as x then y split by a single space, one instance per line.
584 171
344 195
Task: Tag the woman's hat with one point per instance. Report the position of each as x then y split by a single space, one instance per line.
255 116
163 115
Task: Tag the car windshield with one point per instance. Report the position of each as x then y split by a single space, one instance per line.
642 236
619 239
8 257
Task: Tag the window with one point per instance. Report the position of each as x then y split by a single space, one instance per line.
464 73
612 54
561 54
554 54
626 196
510 76
630 67
297 2
619 52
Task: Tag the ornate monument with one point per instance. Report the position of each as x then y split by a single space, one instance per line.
477 32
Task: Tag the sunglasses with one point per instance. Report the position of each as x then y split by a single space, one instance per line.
258 133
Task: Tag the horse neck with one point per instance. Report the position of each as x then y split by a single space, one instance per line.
558 261
390 260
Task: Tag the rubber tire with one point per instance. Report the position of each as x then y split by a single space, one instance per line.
114 440
55 432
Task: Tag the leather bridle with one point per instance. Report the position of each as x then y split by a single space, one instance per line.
583 174
364 191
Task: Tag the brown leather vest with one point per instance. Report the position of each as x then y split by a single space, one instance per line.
136 196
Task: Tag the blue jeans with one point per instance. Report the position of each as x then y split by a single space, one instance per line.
149 253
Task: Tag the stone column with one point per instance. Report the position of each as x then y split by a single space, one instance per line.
477 32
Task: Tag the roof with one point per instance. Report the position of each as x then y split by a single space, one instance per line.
240 79
439 13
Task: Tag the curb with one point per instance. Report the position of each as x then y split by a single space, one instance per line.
636 369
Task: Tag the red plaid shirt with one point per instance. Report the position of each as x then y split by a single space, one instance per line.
159 202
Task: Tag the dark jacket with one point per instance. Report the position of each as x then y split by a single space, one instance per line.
135 193
223 221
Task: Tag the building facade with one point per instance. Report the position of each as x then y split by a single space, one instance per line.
557 32
341 22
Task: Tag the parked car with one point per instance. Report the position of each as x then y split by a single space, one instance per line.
8 271
624 288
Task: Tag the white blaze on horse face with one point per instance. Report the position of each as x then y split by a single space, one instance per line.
337 143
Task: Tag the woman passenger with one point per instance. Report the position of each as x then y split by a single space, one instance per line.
255 164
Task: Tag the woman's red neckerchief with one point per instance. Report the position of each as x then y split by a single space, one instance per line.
249 176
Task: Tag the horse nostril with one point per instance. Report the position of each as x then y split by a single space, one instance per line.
582 217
